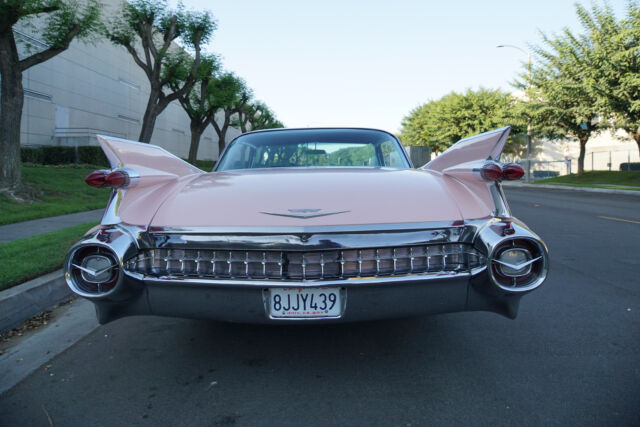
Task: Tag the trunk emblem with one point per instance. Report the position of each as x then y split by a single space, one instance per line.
303 213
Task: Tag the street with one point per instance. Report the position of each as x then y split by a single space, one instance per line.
572 356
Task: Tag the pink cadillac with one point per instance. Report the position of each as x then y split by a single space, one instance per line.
307 225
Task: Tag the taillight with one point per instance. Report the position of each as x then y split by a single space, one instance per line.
518 265
511 171
96 179
491 172
118 178
94 269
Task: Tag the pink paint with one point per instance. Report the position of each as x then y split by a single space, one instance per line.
172 193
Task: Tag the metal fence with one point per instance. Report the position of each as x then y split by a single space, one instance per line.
595 160
547 169
609 160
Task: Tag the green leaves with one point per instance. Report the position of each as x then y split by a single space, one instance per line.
171 41
441 123
586 82
64 20
72 19
156 25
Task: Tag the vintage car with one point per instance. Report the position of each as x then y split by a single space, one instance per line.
307 226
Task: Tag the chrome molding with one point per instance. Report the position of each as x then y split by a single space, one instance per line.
114 240
303 215
134 177
347 283
110 216
321 229
285 266
500 201
527 264
311 241
488 241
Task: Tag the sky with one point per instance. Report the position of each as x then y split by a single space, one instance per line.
368 63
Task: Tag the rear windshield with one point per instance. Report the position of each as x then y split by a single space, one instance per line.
314 148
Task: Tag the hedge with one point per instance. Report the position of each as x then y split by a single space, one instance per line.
85 154
633 166
52 155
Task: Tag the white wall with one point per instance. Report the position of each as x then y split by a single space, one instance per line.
601 150
98 89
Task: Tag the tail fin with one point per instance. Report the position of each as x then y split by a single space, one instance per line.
146 159
471 151
474 163
152 173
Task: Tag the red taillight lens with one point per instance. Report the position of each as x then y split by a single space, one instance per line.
102 178
117 179
96 179
512 171
491 172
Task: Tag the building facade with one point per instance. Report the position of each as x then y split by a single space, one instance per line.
95 88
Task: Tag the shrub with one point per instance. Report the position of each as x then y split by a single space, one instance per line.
31 155
633 166
53 155
205 165
92 155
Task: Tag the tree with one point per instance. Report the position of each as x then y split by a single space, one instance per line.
198 103
64 21
229 94
612 63
559 104
154 27
256 116
439 124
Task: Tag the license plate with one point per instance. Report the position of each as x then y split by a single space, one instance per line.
305 302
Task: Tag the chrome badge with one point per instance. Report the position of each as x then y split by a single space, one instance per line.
303 213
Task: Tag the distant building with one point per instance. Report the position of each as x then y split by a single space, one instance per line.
604 151
89 90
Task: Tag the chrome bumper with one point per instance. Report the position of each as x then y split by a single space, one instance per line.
248 304
366 298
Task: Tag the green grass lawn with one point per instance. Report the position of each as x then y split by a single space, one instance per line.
61 190
626 180
28 258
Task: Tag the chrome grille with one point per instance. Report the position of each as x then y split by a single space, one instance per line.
312 265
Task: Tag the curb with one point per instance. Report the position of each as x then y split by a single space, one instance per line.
571 188
21 302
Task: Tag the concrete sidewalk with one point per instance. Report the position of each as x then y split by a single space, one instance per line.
521 184
20 230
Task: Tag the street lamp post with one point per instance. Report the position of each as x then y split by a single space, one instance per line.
528 169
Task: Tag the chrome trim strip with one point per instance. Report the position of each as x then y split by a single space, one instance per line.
134 177
311 242
347 283
350 228
500 201
110 216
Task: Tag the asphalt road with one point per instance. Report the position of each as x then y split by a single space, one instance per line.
572 357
